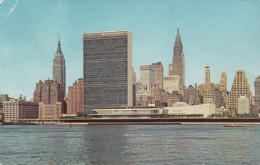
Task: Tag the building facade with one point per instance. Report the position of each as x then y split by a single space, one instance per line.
107 70
240 86
158 68
207 74
223 81
49 92
75 98
243 105
178 60
257 92
50 111
20 109
59 68
147 75
171 83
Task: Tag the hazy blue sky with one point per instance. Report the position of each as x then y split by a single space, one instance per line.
224 34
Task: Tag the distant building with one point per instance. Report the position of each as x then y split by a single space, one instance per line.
75 98
158 67
257 92
191 96
171 83
207 74
107 70
20 109
59 68
134 86
223 81
50 111
49 92
212 95
178 60
4 97
170 70
240 86
144 97
243 105
147 75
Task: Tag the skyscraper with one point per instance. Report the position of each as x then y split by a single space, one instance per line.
240 87
75 98
207 74
49 92
178 59
158 68
257 92
107 70
147 76
59 68
223 81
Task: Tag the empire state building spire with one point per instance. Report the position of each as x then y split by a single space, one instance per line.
59 68
178 65
58 48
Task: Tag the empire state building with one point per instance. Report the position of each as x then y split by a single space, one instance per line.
59 68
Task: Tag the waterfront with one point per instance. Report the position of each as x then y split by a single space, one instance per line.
136 144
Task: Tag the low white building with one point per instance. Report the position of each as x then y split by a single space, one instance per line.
184 110
124 113
243 105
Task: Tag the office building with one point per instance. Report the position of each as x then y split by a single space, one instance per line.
171 83
257 92
147 75
158 69
107 70
75 98
49 92
243 105
50 111
178 60
16 109
223 81
240 86
207 74
59 68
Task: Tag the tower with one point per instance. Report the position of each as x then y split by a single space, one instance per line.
158 68
178 60
147 76
257 91
107 70
59 68
223 81
240 87
207 74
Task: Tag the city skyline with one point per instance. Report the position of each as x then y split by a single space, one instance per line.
214 33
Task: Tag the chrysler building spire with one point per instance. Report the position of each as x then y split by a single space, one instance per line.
178 67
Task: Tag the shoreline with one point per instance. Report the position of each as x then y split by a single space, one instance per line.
150 121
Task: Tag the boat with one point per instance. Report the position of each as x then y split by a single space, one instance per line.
234 125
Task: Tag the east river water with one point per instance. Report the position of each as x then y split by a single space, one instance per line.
138 144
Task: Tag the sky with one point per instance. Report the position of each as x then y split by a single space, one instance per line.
222 34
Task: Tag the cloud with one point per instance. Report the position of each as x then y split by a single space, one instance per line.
15 5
